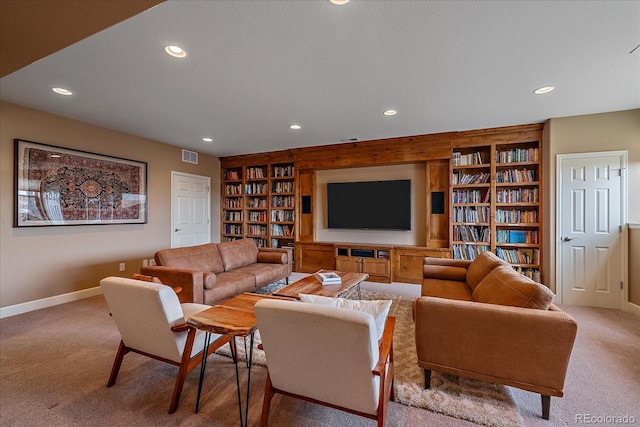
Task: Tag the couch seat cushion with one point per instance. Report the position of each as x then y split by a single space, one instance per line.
238 253
481 266
379 309
201 257
504 286
229 284
449 289
264 273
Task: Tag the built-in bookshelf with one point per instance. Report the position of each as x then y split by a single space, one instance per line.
259 203
495 203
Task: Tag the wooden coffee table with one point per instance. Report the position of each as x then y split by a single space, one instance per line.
311 285
234 317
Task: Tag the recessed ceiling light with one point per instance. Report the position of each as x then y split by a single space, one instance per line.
339 2
295 127
207 139
543 89
175 51
62 91
390 113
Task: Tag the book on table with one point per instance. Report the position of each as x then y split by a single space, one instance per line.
329 278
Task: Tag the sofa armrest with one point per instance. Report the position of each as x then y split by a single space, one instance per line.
191 281
275 256
446 262
521 347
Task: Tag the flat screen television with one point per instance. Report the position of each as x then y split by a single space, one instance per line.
375 205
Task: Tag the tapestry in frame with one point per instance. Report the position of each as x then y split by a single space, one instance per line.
61 186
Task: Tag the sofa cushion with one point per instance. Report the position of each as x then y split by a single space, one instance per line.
449 289
209 279
229 284
504 286
272 257
200 257
238 253
481 266
378 309
264 273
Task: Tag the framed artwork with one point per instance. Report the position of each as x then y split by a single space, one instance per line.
60 186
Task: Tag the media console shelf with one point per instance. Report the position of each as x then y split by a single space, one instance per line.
371 259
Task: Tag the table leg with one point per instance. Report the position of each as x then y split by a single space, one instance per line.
203 365
359 294
249 356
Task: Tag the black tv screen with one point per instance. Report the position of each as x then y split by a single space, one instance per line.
381 205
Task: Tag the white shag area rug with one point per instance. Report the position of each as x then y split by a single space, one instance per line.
477 401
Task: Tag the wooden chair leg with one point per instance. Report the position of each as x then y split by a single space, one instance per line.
546 406
427 379
266 404
183 371
122 350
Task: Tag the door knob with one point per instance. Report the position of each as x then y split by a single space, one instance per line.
178 229
568 239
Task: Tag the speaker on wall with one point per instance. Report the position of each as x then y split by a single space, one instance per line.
306 204
437 202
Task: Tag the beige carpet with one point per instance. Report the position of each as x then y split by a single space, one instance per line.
463 398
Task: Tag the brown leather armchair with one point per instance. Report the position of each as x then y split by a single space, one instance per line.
499 327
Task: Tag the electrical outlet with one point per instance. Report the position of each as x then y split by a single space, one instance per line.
122 266
152 261
145 262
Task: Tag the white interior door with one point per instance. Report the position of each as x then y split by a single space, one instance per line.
591 204
190 211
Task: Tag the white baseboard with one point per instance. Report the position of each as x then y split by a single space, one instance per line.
633 308
25 307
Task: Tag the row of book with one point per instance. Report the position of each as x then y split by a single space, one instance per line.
471 214
232 189
255 188
515 175
461 178
531 273
231 174
519 195
281 230
232 229
233 203
517 236
283 187
282 171
260 216
233 216
471 233
459 159
470 196
282 201
282 216
257 230
519 256
255 173
516 216
469 252
518 155
257 202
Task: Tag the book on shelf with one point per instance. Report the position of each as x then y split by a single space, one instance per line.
329 278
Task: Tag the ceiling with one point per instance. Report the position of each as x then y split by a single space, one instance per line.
255 67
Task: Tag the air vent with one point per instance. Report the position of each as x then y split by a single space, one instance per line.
190 157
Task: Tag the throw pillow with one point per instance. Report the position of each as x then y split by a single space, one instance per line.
505 286
481 266
379 309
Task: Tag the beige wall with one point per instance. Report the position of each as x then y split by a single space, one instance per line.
36 263
582 134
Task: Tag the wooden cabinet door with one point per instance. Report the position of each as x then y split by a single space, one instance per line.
348 264
375 267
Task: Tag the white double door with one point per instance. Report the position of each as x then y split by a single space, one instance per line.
590 216
190 209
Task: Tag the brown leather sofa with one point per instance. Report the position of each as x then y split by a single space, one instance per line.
214 272
481 319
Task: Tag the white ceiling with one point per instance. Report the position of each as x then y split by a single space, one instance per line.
255 67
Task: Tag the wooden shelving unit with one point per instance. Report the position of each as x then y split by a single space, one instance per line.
259 203
495 203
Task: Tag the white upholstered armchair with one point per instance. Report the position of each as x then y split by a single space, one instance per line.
326 355
152 322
